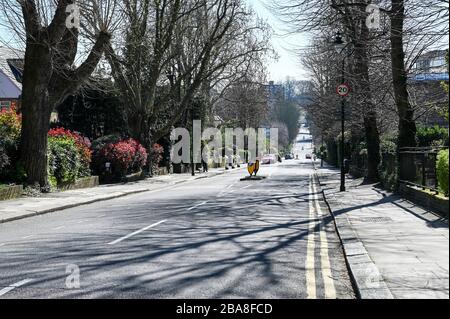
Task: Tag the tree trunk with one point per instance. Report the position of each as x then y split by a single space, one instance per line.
373 147
365 96
407 127
36 110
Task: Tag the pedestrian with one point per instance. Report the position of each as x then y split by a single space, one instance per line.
205 157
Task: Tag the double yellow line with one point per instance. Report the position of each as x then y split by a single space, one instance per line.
315 212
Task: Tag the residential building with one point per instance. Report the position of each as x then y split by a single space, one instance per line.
430 66
11 71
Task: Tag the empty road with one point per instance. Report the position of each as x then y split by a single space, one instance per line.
211 238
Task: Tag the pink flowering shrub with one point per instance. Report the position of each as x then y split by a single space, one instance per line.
157 155
125 156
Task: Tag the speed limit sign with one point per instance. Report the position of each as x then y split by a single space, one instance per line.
343 90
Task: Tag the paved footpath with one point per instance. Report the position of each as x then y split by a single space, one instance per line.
394 249
47 203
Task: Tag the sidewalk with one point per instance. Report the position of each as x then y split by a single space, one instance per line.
24 207
394 249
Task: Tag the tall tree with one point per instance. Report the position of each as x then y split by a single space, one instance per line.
407 126
174 51
350 17
50 75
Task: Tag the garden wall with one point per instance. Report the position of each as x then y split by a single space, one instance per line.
11 192
424 199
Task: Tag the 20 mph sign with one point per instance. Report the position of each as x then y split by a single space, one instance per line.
343 90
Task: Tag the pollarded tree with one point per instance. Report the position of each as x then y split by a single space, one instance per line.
51 34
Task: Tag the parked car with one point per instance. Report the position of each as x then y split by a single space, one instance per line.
308 156
269 159
288 157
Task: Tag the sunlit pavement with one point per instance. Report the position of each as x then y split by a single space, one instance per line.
209 238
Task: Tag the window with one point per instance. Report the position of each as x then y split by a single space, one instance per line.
437 62
423 64
5 105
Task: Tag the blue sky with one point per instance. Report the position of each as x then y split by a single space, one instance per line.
288 64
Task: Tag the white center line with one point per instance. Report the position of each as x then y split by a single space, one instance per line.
26 237
14 286
136 232
198 205
59 227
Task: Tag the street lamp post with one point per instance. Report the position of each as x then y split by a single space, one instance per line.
321 153
340 46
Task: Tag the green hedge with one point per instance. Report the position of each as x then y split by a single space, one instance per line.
432 136
64 161
442 167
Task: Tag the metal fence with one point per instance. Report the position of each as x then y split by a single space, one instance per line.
418 166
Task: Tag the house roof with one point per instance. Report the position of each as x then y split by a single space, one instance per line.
10 67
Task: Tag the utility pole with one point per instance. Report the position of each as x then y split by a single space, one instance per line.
342 90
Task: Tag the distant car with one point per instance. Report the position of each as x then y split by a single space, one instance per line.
288 157
269 159
308 156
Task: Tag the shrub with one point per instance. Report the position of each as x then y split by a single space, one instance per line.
157 155
98 161
126 156
10 123
64 160
10 126
442 167
69 156
432 136
83 146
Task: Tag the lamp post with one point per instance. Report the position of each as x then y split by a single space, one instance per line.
339 46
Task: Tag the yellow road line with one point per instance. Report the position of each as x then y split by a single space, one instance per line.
330 291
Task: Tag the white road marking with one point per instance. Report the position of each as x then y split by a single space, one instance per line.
310 260
26 237
198 205
2 245
59 227
14 286
330 290
136 232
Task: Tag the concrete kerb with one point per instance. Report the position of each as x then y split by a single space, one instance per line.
98 199
367 281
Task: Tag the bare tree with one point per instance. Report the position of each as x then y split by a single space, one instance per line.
349 17
175 50
50 72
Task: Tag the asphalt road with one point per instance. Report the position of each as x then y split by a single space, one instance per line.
210 238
